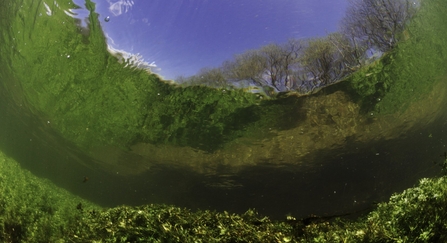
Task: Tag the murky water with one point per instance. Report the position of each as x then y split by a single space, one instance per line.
70 110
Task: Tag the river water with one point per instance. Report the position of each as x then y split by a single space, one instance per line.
328 158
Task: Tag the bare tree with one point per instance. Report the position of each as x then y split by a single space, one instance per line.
269 66
249 65
378 22
347 51
212 77
293 51
279 61
275 69
321 62
357 46
303 65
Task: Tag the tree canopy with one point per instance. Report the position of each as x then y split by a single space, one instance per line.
369 26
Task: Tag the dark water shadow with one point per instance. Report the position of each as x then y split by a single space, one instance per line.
330 183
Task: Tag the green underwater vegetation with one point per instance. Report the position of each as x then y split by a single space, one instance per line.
92 99
35 210
403 75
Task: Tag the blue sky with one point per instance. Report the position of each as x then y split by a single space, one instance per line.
182 36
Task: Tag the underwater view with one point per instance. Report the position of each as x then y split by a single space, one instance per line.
223 121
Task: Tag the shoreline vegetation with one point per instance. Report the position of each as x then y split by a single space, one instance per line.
214 126
368 30
100 101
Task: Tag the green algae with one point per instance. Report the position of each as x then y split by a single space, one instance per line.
93 98
404 75
415 215
35 210
93 105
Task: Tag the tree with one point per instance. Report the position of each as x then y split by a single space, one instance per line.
348 51
293 49
280 60
275 63
249 65
269 66
378 22
368 25
213 77
321 62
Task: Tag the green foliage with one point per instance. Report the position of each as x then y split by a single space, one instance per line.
94 99
196 116
370 84
160 223
416 215
409 71
416 63
33 209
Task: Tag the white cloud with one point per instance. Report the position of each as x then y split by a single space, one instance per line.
131 59
120 7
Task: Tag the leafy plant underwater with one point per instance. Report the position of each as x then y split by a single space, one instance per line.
415 215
